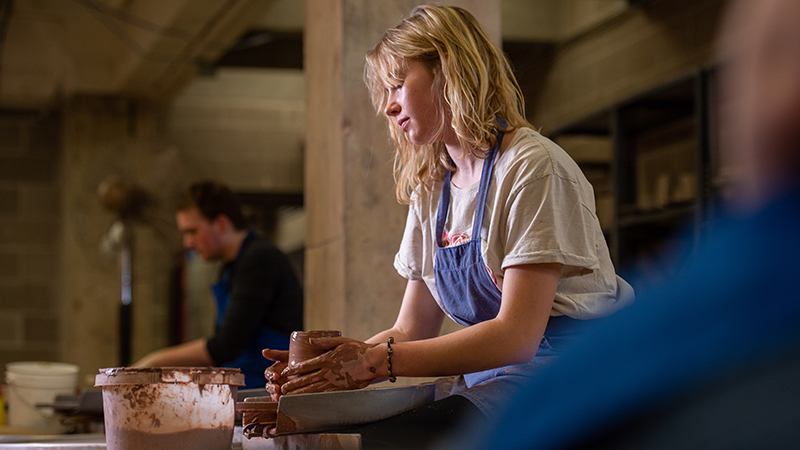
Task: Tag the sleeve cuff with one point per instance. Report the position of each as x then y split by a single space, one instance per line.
573 265
404 270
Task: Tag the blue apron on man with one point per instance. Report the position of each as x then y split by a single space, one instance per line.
250 360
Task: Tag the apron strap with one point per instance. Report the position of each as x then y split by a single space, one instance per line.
486 175
483 190
444 205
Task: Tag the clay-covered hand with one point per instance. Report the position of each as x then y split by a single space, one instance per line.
348 364
273 372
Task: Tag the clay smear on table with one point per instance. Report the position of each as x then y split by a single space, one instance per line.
286 425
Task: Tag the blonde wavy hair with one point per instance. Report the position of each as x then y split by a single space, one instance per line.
473 76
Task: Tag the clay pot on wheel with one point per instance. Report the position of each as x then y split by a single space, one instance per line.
300 348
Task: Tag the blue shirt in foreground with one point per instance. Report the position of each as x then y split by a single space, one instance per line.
734 310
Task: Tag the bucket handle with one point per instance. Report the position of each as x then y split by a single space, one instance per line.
25 402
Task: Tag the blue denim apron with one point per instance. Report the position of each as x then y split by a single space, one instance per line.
464 286
469 295
250 361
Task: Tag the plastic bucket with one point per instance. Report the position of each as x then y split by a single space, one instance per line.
36 382
169 408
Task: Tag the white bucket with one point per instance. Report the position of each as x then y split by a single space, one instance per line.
32 383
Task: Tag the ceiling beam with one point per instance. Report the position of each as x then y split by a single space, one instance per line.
143 48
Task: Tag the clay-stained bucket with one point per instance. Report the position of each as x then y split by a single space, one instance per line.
169 407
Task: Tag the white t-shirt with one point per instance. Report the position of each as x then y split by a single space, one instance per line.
539 209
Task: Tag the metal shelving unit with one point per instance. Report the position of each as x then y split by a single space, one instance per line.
657 130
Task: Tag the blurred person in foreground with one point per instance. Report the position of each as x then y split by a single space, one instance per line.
711 359
258 296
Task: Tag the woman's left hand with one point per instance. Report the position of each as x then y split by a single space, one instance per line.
349 364
273 372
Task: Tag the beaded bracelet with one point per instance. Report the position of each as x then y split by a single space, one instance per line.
389 352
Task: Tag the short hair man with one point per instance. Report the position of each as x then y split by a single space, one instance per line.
259 298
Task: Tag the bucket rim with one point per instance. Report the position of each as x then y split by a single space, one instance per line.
42 382
42 368
114 376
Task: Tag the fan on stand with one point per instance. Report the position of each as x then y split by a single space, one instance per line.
126 205
126 201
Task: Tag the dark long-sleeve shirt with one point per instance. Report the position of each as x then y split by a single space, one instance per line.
264 293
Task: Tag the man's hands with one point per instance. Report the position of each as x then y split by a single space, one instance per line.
348 364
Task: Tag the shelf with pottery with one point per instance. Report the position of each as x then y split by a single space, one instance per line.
649 159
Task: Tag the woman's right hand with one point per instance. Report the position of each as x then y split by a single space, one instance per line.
345 365
273 372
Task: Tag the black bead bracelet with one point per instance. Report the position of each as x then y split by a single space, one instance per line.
389 352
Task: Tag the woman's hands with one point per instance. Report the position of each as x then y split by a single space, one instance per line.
348 364
273 372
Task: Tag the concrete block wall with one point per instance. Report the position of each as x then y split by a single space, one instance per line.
244 127
104 136
30 245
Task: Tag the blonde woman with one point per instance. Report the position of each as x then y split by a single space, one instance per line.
501 235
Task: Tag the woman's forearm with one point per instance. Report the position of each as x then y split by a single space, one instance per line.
398 335
512 337
483 346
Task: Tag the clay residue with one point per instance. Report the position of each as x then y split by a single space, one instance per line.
140 396
286 424
111 371
340 369
155 421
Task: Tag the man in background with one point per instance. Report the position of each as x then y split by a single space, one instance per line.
711 359
259 298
